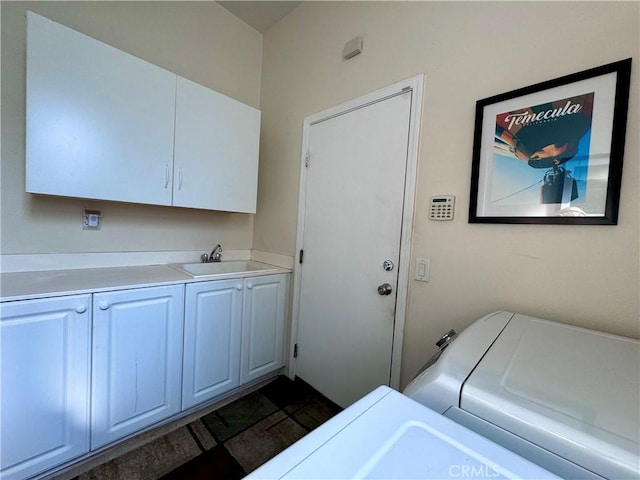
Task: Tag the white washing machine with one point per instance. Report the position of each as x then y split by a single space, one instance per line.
386 435
564 397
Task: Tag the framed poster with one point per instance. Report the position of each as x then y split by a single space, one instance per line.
552 152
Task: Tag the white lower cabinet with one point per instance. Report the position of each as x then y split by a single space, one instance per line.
263 322
213 319
137 359
69 388
234 333
45 346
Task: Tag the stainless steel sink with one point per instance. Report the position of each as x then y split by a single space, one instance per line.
213 269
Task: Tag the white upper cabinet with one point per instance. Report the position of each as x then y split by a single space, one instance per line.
216 150
99 121
104 124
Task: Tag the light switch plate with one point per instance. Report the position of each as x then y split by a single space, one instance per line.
423 265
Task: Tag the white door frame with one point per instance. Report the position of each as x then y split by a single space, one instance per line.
415 84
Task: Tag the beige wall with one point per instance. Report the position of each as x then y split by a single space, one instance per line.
583 275
198 40
587 276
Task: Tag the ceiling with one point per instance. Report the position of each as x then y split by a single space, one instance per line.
260 15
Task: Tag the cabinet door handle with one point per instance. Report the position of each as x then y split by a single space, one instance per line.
239 286
180 179
249 286
81 308
166 175
104 306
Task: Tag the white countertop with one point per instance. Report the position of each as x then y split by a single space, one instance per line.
54 283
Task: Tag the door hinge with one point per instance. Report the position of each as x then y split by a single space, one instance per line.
295 351
307 159
301 255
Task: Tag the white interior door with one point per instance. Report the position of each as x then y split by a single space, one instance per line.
353 219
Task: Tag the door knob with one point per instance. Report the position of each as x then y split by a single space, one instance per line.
385 289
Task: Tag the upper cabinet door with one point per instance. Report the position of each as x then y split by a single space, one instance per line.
99 121
216 150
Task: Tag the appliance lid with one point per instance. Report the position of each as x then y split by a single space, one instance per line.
569 390
438 384
387 435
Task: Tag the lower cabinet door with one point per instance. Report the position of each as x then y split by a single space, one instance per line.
137 360
263 321
213 319
45 360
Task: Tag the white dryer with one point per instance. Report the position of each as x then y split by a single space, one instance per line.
564 397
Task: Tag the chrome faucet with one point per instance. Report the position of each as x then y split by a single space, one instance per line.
214 256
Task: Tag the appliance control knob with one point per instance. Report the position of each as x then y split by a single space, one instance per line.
446 339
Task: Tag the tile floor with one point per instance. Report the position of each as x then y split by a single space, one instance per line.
229 442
